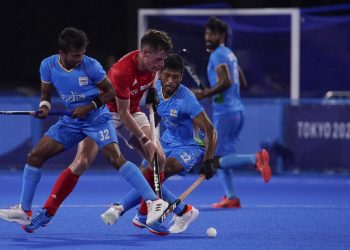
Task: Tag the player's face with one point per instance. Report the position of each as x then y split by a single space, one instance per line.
72 58
154 60
212 40
170 80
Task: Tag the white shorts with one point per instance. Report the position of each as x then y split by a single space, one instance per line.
140 119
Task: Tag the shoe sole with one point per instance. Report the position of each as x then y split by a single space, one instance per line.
141 225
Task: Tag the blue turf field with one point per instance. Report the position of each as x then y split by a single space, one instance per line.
291 212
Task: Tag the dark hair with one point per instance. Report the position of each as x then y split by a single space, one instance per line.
156 40
174 62
72 38
217 25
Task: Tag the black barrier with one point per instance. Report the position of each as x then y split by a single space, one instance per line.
319 136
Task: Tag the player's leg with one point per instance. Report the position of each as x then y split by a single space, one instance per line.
143 122
228 129
45 149
65 183
105 136
180 161
67 135
230 200
226 148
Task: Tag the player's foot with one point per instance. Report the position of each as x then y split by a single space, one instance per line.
16 214
140 221
262 164
155 209
111 216
41 219
227 203
182 222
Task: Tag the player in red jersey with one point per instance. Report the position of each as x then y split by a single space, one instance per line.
131 76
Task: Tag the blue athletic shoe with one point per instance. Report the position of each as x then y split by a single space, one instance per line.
140 221
41 219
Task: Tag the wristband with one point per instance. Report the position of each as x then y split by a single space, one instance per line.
45 103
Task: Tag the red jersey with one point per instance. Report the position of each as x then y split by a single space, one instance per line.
128 82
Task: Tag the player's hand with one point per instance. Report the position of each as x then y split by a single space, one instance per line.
152 97
42 112
81 111
150 148
208 169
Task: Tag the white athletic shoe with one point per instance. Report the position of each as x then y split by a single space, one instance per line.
155 209
182 222
16 214
111 216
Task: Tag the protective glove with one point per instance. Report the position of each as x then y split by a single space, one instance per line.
208 169
152 97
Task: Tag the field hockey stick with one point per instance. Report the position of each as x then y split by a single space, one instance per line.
174 205
32 112
190 70
155 164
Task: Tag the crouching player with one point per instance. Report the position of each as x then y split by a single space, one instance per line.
179 111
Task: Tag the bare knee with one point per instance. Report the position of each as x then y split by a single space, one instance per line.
34 159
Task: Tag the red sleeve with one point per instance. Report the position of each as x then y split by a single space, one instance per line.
121 81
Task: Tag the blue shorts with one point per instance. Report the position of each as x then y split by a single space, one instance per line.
228 126
69 131
188 156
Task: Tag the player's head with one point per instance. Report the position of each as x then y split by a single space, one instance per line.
215 33
72 45
155 45
171 74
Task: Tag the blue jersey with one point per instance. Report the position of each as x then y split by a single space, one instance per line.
76 86
177 113
229 100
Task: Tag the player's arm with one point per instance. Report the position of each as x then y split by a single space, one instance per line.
202 122
124 113
106 94
242 78
45 100
224 82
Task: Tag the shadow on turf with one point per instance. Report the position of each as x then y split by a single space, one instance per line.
87 242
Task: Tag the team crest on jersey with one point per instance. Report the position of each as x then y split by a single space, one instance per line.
83 80
173 112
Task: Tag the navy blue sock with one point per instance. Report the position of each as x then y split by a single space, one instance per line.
31 178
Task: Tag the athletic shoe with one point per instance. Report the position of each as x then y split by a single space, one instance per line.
41 219
155 209
111 216
227 203
140 221
182 222
16 214
262 164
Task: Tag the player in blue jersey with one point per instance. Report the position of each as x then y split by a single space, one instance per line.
84 88
179 111
228 111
